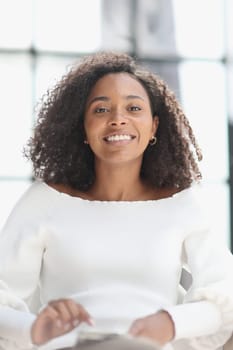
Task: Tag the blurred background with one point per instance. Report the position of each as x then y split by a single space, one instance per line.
187 42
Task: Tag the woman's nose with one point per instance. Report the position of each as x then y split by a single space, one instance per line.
117 119
115 123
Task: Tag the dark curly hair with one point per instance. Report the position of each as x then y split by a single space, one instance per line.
57 149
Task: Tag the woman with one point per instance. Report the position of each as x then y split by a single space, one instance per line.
104 232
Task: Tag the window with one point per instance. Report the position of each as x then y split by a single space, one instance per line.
188 43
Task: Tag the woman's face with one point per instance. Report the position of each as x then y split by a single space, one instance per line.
118 120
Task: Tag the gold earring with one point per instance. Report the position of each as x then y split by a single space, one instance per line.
153 141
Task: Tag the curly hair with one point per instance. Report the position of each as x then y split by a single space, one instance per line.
57 148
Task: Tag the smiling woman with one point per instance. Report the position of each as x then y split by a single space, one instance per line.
118 125
111 220
85 92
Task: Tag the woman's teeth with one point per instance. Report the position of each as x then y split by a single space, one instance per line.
118 138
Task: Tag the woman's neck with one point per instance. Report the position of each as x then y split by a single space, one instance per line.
118 183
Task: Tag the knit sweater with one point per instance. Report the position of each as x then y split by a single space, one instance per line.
120 259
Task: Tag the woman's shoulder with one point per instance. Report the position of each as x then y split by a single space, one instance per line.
36 198
32 207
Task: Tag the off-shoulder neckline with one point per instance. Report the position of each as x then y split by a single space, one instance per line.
86 200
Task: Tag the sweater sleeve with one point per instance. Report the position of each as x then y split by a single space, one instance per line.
21 253
205 318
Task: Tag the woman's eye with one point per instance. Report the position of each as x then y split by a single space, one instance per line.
135 108
101 110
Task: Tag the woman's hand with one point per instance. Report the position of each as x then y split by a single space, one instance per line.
57 318
158 327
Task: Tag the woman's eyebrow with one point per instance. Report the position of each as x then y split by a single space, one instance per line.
105 98
134 97
98 98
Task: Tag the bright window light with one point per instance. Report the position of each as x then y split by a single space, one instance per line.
199 28
68 25
216 211
203 94
229 27
15 113
15 23
49 70
11 191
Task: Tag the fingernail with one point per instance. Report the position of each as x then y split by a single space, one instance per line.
91 322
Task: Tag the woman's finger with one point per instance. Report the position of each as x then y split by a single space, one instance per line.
137 327
85 316
52 314
77 312
46 326
65 316
74 312
71 313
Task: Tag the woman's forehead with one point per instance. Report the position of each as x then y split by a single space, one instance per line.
119 83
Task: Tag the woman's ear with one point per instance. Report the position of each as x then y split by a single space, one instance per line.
155 124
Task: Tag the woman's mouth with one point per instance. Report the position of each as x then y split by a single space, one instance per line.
119 137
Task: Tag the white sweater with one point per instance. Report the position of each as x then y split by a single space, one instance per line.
121 260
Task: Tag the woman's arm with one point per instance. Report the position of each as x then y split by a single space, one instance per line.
205 318
22 244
